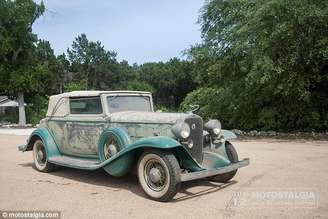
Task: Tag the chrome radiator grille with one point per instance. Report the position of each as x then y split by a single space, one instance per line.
196 135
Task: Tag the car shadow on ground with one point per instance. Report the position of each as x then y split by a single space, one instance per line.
101 178
29 164
128 182
210 187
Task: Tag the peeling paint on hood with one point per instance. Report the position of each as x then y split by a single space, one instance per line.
146 117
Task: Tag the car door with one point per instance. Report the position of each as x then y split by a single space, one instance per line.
84 126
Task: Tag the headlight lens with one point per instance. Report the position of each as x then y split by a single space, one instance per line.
185 131
217 131
181 130
213 126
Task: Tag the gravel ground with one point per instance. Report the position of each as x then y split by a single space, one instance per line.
276 166
15 131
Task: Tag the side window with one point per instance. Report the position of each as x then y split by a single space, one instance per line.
87 105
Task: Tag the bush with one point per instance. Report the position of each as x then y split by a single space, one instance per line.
161 108
11 115
138 86
73 86
36 109
206 98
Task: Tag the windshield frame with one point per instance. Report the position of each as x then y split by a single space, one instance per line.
106 106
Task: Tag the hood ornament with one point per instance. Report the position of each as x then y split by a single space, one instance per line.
194 108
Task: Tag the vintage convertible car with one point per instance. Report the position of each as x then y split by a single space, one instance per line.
120 132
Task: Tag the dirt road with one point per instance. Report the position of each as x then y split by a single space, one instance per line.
297 167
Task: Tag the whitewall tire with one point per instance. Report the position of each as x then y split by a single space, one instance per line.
40 157
159 175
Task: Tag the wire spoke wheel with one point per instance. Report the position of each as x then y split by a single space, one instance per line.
155 175
159 174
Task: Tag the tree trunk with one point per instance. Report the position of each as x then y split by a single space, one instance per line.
21 109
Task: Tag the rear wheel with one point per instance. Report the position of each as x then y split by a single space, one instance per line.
233 157
159 175
40 158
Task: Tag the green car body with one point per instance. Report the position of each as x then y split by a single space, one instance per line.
80 124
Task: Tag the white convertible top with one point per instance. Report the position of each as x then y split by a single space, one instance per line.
61 101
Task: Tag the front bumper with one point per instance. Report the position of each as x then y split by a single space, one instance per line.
22 147
215 171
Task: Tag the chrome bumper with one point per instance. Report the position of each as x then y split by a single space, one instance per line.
213 172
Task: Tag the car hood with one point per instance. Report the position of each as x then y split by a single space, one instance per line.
147 117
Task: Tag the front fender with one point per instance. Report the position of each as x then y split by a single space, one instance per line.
47 139
228 134
122 162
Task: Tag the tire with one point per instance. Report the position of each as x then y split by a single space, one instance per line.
233 157
40 158
159 175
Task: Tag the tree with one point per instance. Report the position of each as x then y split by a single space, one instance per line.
91 63
63 74
19 71
171 81
269 58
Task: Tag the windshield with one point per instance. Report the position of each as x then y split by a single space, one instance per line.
128 103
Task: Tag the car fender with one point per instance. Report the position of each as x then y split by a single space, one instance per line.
228 134
47 139
122 162
120 135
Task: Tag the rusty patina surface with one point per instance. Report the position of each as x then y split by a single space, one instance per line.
79 136
113 130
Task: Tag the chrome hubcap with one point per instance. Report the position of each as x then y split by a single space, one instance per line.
155 175
111 149
40 154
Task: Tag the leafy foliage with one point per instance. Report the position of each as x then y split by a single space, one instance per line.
171 80
37 108
261 65
270 60
20 68
90 62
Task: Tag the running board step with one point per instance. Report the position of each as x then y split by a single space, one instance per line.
75 162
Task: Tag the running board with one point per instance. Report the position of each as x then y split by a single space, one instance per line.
213 172
76 162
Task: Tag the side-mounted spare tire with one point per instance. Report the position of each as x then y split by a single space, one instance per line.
111 142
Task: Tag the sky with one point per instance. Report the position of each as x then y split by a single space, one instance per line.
139 31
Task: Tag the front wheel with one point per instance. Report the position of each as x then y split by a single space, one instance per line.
159 175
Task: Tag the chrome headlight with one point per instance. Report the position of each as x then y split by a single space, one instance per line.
213 126
181 130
